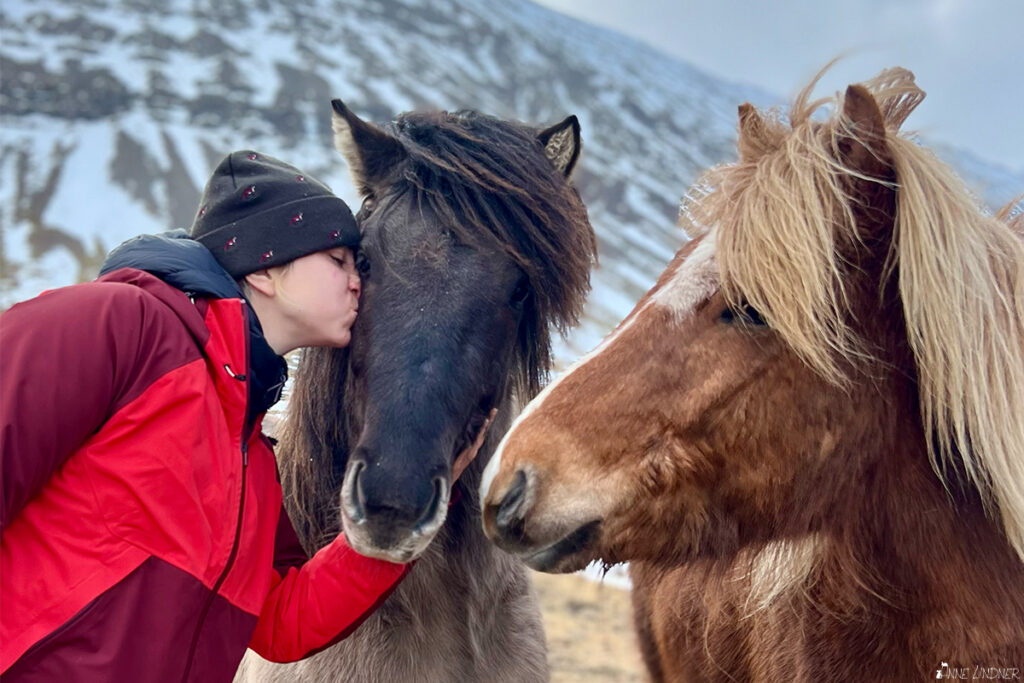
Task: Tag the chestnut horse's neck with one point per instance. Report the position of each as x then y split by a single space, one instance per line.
903 570
903 561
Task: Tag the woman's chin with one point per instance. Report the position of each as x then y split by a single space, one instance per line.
339 340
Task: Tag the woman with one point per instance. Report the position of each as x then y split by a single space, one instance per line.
143 536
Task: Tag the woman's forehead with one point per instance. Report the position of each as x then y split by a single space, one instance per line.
341 251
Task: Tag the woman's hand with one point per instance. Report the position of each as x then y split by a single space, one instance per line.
466 456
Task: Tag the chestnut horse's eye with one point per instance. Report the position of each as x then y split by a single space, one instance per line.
744 314
520 293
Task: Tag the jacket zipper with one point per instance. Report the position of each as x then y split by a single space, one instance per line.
241 509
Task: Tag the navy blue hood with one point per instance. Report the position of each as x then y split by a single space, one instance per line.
178 260
185 264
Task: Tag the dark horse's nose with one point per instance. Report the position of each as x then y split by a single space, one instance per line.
511 512
388 505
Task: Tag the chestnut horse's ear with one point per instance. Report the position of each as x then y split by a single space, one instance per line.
752 139
562 144
370 152
861 140
863 152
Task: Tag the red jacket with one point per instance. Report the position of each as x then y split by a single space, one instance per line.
143 536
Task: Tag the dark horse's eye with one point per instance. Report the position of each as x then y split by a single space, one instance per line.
362 264
369 202
520 293
744 314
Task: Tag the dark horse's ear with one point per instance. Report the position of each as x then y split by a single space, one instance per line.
371 153
562 144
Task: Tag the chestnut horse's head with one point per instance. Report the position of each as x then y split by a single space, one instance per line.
838 317
474 244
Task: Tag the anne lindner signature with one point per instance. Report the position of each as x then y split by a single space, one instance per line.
991 673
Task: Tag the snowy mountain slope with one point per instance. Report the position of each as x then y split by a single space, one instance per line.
113 113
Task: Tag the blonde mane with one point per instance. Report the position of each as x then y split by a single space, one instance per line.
784 219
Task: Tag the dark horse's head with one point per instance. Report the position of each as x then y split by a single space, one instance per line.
474 245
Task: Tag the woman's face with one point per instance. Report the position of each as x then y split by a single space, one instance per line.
318 297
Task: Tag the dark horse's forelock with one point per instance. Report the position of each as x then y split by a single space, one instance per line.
489 182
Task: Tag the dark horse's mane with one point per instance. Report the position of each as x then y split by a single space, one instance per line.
487 181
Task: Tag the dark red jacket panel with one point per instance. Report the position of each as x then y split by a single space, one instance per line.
116 626
151 485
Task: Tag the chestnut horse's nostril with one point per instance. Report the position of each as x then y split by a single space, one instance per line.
509 519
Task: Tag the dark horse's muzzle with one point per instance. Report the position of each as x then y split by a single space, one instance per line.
391 514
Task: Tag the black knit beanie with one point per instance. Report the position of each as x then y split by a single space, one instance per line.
257 212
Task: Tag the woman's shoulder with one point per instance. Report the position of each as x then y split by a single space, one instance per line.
108 300
131 310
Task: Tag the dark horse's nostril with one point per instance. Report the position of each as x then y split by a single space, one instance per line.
509 519
359 499
431 513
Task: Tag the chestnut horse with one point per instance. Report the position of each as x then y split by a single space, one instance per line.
475 245
808 437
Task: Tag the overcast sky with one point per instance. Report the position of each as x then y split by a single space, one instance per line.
968 55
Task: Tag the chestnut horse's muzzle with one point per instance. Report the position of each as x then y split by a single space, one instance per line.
549 548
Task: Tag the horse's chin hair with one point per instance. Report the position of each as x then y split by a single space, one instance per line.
409 549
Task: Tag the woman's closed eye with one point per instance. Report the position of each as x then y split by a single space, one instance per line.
343 259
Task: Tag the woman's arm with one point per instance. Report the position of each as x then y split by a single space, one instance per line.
316 603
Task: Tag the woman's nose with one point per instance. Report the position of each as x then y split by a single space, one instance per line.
355 284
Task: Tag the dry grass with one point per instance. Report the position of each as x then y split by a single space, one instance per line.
589 630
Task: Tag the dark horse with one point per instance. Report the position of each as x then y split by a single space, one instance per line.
808 438
474 246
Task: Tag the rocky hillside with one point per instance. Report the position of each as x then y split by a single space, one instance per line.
114 111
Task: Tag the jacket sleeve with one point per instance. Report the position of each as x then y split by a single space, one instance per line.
314 605
69 359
